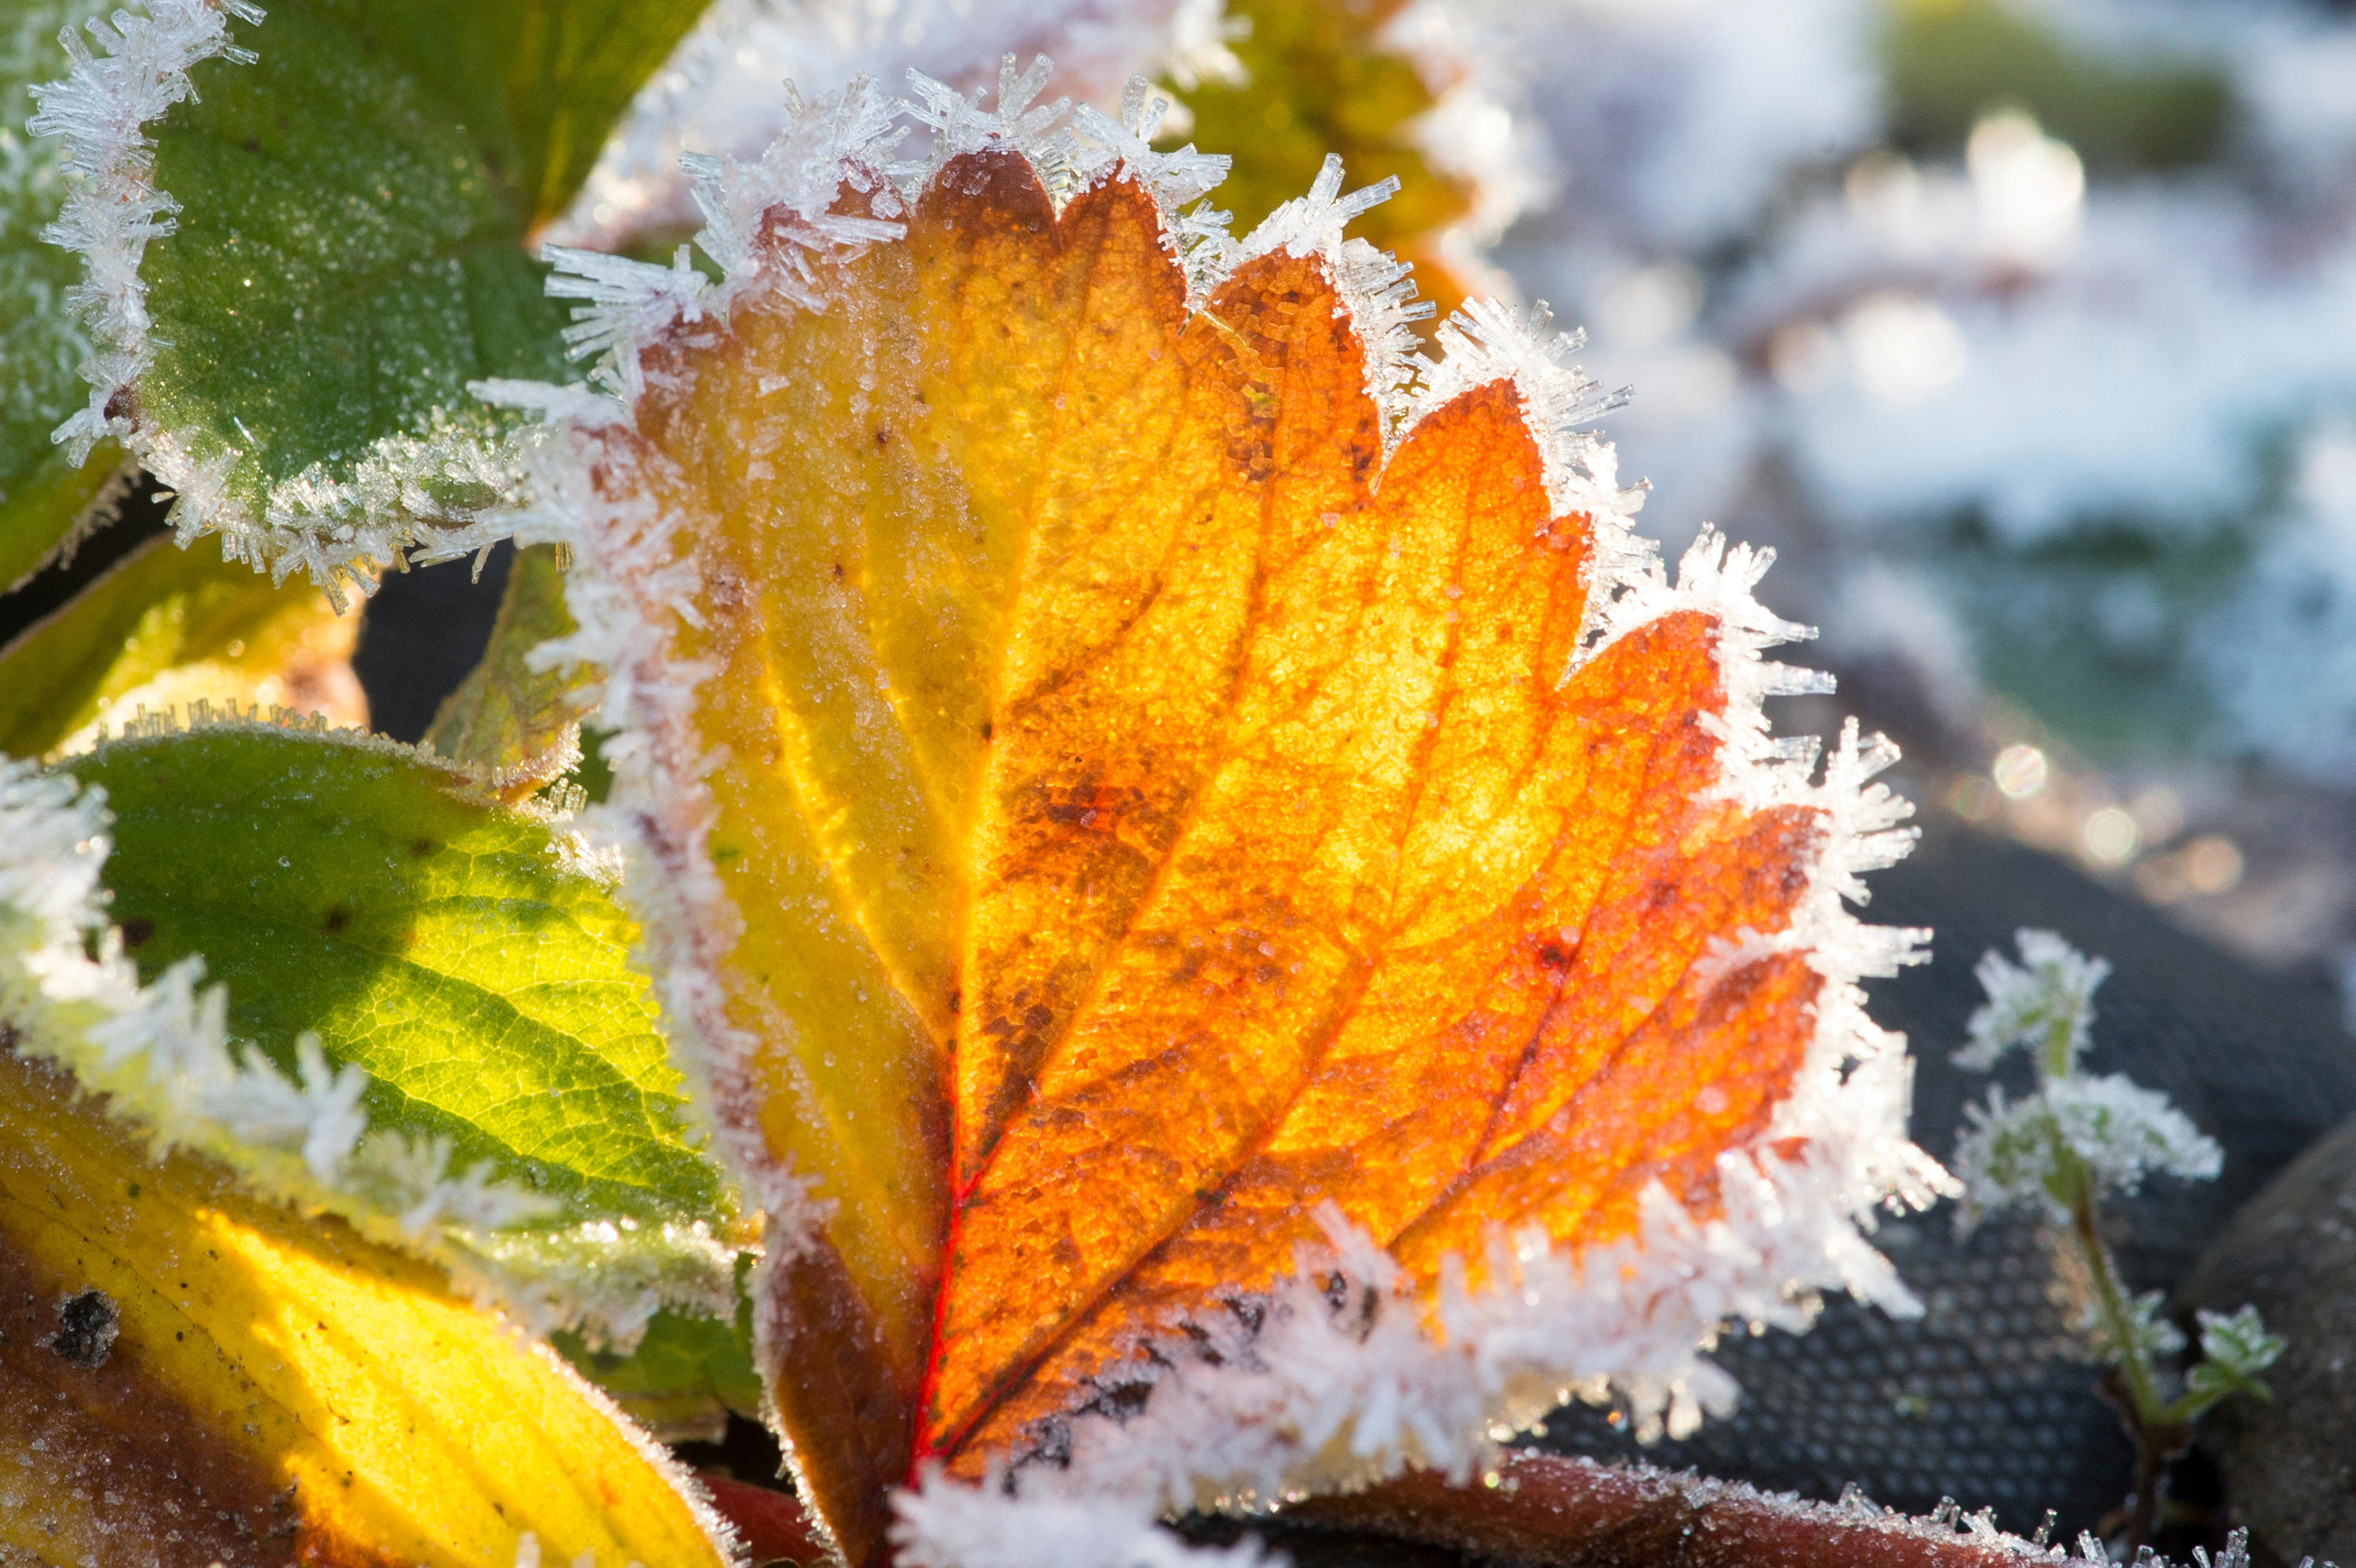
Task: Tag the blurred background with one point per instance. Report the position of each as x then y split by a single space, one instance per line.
2026 331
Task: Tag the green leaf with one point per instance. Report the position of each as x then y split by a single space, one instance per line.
686 1375
42 494
1319 78
164 628
450 948
2236 1349
355 208
516 725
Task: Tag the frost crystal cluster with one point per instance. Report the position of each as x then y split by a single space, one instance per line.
2078 1140
2076 1127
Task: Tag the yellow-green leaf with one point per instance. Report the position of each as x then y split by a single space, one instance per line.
166 629
192 1376
1322 77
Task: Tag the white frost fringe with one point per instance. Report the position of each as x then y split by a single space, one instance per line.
1315 1396
342 531
162 1051
161 1054
112 209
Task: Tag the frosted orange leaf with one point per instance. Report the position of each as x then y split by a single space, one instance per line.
1136 795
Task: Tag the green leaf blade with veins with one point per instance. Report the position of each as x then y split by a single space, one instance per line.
43 493
353 208
346 261
437 943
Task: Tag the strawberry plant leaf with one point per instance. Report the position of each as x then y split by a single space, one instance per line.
451 948
355 187
1187 843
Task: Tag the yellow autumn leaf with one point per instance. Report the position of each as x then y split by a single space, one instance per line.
193 1376
1326 77
1136 785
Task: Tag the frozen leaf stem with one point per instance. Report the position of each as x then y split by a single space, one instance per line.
2078 1140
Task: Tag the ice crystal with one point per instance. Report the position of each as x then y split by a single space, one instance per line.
779 212
2236 1553
959 126
1103 147
719 93
628 301
1373 286
2044 1002
162 1053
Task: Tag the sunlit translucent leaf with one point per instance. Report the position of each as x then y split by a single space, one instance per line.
516 726
354 208
192 1376
1165 804
450 948
42 493
1321 77
165 628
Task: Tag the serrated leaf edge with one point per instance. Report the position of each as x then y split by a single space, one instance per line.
161 1053
1322 1404
342 531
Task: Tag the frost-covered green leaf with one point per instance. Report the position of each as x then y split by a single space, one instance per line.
2078 1140
353 187
164 629
43 492
2235 1348
685 1376
517 726
2045 1004
455 952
